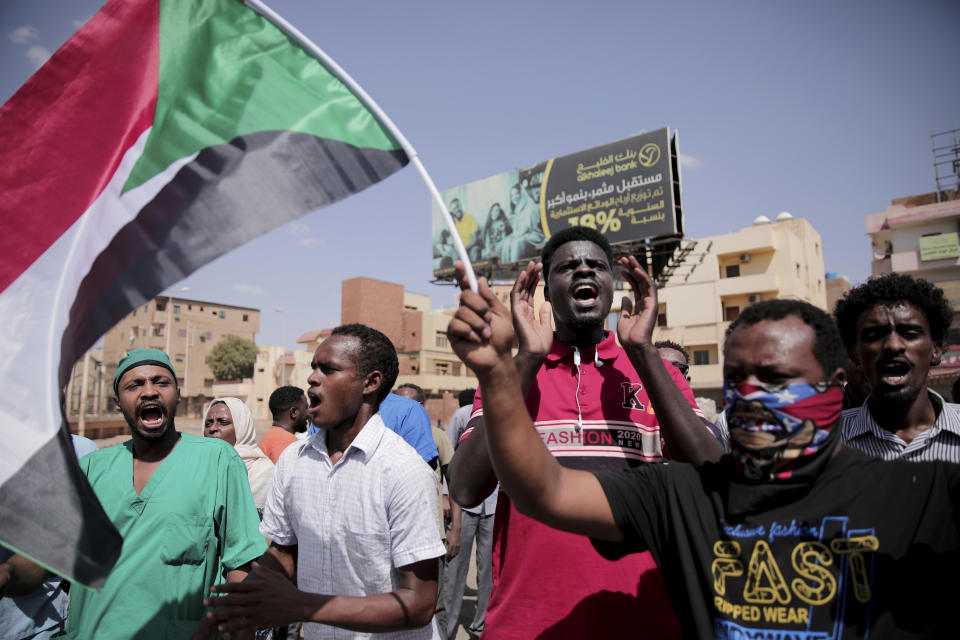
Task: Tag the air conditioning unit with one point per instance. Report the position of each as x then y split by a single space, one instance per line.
744 257
753 297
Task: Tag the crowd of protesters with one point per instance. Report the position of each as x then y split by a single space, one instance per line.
603 503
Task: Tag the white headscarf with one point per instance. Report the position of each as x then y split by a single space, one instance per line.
259 467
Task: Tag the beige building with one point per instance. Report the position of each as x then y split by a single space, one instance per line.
724 274
187 330
918 235
418 333
267 376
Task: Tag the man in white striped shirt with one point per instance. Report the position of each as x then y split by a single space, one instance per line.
353 508
893 328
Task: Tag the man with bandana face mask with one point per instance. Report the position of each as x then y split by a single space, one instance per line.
791 535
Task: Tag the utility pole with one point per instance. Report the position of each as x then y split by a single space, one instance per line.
283 339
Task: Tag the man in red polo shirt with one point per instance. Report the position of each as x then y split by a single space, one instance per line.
593 404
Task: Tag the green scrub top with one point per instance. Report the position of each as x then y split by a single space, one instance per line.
192 523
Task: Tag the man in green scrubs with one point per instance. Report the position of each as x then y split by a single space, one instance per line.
183 506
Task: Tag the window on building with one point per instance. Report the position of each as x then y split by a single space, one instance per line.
441 339
161 305
179 357
443 368
158 330
798 269
731 313
733 271
223 314
246 317
816 247
189 307
182 333
662 315
701 356
176 308
208 382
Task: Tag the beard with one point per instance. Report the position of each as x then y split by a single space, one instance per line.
153 435
899 399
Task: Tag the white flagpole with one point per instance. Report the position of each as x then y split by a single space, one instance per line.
368 102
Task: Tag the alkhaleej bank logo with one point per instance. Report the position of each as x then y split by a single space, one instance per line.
649 154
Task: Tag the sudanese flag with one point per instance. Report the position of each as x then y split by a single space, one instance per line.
163 134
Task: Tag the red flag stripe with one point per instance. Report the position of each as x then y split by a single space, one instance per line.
52 167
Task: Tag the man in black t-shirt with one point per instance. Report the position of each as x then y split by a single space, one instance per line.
790 536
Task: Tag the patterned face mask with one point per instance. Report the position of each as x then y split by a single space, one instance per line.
772 425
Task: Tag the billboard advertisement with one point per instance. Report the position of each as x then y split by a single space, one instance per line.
629 190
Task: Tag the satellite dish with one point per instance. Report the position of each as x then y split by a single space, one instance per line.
887 250
761 220
784 215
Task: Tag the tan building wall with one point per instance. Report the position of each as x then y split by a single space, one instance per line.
729 272
837 287
418 333
267 377
896 235
89 391
187 330
374 303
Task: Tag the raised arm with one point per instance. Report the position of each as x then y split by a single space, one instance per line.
472 476
481 334
689 439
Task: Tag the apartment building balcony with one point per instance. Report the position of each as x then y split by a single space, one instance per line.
910 262
706 376
745 285
756 239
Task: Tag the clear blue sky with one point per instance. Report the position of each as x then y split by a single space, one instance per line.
823 109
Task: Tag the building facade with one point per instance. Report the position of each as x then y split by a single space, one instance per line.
418 333
918 235
723 274
187 330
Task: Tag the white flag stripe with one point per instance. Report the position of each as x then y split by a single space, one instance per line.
37 314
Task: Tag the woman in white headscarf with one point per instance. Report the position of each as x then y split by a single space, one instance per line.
229 419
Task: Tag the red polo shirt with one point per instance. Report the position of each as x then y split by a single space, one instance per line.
551 584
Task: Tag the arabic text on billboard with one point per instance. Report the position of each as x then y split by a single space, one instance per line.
624 189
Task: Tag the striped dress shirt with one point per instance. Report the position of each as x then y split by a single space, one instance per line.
940 442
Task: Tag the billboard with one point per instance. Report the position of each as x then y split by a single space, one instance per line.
629 190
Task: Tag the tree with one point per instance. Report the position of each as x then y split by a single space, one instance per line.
232 358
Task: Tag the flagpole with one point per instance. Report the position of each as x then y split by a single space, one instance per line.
369 103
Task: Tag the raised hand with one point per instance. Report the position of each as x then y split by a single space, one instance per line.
638 316
534 333
481 331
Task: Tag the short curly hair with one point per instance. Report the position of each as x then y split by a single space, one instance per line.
891 288
827 348
573 234
676 346
375 353
283 398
